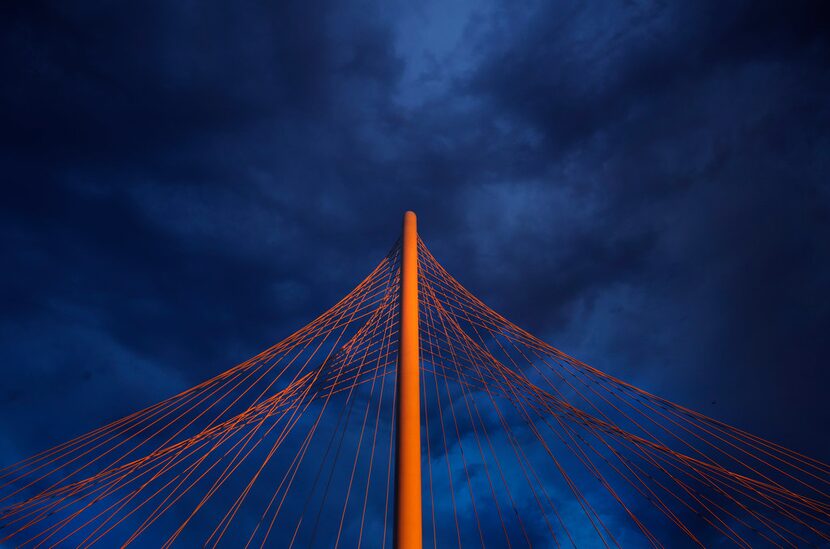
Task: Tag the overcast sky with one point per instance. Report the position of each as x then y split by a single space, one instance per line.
645 185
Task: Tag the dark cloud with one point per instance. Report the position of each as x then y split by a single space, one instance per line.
643 184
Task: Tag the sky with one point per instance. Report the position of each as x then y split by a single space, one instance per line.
644 185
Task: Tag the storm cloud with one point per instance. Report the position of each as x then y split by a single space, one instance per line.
644 185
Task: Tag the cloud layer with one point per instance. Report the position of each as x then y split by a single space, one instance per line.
643 185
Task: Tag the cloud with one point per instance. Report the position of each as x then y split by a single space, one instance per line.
186 184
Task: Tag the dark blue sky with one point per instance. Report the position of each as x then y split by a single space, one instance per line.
643 185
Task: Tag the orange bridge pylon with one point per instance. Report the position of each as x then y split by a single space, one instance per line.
408 527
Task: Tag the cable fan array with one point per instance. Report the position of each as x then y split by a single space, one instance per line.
589 459
522 446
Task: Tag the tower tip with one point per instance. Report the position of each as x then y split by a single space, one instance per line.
410 221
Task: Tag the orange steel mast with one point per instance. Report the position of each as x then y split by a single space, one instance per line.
408 532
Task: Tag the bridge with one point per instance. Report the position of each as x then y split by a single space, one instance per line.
410 414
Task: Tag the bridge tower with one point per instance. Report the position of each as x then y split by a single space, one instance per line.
408 527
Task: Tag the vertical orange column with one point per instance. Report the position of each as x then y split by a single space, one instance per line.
408 455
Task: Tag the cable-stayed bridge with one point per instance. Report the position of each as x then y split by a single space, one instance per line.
410 414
